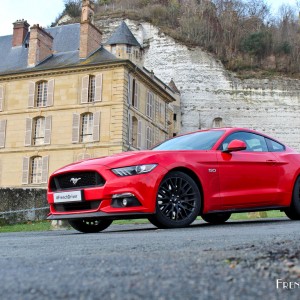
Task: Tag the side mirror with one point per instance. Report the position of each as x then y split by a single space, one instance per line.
236 145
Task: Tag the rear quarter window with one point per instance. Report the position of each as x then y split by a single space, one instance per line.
275 146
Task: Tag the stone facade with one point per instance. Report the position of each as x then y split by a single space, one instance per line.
212 96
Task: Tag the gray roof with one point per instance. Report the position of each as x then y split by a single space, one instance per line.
123 35
65 46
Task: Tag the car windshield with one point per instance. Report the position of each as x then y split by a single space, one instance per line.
202 140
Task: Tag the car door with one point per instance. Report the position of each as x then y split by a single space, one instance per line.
248 178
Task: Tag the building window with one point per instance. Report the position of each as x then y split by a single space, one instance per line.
128 49
149 108
91 95
39 131
217 123
36 169
91 88
86 132
174 117
86 127
41 94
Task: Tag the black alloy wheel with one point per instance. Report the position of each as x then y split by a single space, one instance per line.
293 212
178 201
90 225
216 218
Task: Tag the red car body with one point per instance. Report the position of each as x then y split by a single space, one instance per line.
228 181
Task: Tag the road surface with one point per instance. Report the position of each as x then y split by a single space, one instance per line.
238 260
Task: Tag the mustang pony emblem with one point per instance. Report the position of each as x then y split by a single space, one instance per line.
74 180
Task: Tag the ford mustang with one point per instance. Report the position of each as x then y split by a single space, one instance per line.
209 173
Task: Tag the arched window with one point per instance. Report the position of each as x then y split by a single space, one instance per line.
36 169
86 132
217 123
38 131
41 94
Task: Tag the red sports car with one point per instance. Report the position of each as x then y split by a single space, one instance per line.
209 173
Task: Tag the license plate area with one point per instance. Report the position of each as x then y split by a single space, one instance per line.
67 197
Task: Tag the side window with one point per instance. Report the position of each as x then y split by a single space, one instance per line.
254 142
275 146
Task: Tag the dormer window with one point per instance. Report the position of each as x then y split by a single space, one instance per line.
128 49
114 49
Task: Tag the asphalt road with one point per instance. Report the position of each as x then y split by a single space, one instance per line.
238 260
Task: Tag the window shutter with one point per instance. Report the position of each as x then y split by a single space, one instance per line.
1 97
50 95
47 136
96 126
136 95
25 171
31 94
75 128
2 133
45 163
129 129
156 115
98 87
139 135
85 89
28 132
129 89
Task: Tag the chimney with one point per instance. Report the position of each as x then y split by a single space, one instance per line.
20 32
40 45
90 35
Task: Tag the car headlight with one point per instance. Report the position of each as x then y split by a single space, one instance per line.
134 170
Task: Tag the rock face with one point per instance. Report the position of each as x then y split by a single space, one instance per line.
209 92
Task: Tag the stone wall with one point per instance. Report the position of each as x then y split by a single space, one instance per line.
18 205
208 91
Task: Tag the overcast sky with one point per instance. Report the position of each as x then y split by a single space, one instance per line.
44 12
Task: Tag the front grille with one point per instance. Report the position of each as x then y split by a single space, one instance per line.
88 205
76 180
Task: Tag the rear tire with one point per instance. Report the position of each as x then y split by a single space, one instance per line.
293 212
90 225
216 218
178 201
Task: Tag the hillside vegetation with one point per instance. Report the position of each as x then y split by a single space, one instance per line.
241 33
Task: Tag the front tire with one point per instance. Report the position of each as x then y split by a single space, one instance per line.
178 201
90 225
216 218
293 212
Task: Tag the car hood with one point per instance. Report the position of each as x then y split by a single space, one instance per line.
113 161
131 158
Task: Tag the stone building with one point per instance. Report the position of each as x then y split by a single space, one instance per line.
65 96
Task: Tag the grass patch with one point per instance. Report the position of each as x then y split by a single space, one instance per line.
46 225
258 215
29 226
